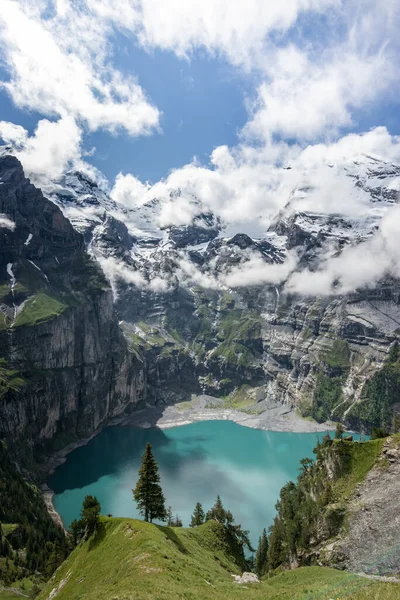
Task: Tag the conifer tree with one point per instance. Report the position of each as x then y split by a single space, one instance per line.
218 513
169 516
90 515
76 530
198 516
339 431
148 494
261 555
177 522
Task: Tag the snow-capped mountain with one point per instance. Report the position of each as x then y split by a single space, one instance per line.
205 307
146 240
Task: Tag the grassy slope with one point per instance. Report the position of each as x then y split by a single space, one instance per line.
132 560
363 456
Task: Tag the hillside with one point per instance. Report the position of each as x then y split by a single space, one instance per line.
64 365
32 546
133 560
196 306
343 509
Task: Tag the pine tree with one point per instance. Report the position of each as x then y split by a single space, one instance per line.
76 530
90 515
148 494
339 431
198 516
177 522
276 553
218 513
261 555
169 516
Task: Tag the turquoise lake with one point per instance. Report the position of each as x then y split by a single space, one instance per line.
246 467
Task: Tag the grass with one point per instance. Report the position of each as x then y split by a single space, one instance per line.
9 379
38 309
362 457
239 399
6 595
133 560
8 528
338 356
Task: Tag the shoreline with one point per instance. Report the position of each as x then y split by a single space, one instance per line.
275 417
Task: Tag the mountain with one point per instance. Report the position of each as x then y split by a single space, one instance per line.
180 295
65 366
105 310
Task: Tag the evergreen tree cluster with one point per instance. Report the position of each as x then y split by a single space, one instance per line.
303 514
89 522
150 501
30 542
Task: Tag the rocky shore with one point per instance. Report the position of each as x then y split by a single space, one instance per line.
273 417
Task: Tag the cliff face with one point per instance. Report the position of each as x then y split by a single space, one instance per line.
66 367
369 542
199 329
259 346
343 510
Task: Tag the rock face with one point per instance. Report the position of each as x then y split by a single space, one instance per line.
371 541
188 327
198 330
59 337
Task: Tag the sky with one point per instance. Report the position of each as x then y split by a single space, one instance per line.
144 87
214 97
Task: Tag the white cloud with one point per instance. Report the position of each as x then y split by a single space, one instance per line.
58 66
305 98
236 29
53 148
116 270
12 134
129 190
356 267
257 272
251 185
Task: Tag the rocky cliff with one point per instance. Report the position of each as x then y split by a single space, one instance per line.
65 365
343 510
192 319
191 311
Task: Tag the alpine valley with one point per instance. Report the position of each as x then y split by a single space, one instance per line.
107 313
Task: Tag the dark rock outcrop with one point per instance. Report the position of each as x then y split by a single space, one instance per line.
58 328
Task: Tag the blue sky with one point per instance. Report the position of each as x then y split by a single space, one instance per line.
202 101
147 86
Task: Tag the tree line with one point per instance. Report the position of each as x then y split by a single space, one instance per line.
151 504
299 509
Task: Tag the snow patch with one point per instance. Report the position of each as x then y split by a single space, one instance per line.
6 223
39 269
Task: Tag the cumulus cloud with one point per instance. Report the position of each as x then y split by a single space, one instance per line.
355 267
53 147
13 134
235 29
305 98
58 66
248 184
129 190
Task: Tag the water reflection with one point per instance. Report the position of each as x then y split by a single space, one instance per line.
246 467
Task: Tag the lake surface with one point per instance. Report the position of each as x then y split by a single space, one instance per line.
247 467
